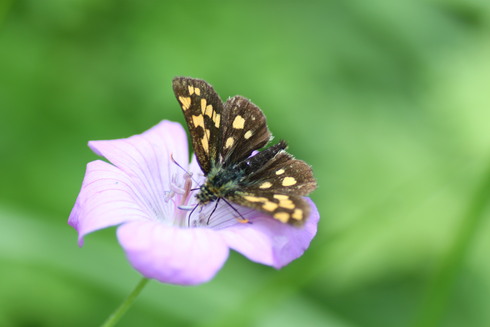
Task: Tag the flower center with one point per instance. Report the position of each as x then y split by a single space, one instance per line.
188 213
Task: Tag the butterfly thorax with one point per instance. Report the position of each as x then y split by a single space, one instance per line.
220 183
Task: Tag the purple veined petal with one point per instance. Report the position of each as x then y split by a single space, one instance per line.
144 192
107 198
160 141
183 256
269 241
145 158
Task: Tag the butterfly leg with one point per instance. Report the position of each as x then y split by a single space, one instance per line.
243 219
189 217
214 209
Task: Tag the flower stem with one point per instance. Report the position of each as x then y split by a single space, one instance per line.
121 310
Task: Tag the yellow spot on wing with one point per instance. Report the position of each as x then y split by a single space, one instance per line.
197 90
288 181
191 89
270 206
297 214
209 111
280 171
287 204
247 135
265 185
205 145
282 216
229 142
186 102
203 105
217 120
252 198
281 197
198 121
238 122
207 133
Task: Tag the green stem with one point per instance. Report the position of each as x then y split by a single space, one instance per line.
121 310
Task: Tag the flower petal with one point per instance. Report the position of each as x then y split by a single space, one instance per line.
156 143
145 158
173 255
107 198
136 187
269 241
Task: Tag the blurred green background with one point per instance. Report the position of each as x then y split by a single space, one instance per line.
388 100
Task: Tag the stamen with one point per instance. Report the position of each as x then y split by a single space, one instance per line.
187 188
168 195
184 198
178 165
181 195
176 189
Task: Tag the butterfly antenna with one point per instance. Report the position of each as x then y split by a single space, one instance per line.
186 171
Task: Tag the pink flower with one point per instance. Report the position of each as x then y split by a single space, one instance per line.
142 190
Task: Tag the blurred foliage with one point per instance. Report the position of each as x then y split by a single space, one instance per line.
388 100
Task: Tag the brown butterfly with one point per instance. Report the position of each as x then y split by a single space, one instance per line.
224 136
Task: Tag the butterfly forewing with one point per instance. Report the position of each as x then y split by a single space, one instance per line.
202 108
245 130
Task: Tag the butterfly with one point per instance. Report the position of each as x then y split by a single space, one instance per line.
226 138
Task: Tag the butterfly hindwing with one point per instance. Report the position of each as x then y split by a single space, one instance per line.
275 170
275 183
202 108
286 208
284 175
